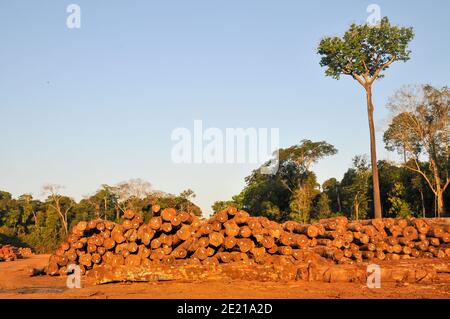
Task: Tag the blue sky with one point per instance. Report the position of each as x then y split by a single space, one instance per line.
83 107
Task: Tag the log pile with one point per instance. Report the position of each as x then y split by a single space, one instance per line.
9 253
378 239
25 251
179 238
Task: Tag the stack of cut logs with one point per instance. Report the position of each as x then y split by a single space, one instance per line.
172 237
9 253
25 251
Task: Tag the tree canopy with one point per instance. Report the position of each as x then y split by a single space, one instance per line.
365 50
420 128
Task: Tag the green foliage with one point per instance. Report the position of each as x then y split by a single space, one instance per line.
303 155
220 205
264 195
272 211
291 191
365 50
301 203
332 188
323 209
399 207
355 188
389 175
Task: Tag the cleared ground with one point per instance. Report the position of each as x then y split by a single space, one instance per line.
15 282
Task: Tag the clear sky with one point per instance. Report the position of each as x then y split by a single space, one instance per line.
83 107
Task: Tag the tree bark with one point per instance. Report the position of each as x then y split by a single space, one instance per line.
440 204
423 203
63 216
373 155
104 201
437 181
339 202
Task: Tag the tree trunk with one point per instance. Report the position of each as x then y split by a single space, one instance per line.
35 218
440 203
423 203
339 202
404 154
438 193
373 155
62 216
117 214
106 218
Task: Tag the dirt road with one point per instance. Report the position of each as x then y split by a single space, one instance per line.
16 283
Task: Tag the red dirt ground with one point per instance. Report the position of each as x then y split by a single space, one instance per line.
16 283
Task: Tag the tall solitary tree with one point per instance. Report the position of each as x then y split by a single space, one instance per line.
363 53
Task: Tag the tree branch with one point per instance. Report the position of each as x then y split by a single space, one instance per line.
418 170
446 184
366 75
384 66
357 78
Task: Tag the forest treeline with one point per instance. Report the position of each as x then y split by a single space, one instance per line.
403 194
418 186
42 225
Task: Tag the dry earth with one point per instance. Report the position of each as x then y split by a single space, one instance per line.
15 282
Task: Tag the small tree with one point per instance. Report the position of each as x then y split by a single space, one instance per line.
187 195
363 53
291 189
331 187
130 193
61 204
323 206
301 204
295 172
399 207
356 185
104 202
416 183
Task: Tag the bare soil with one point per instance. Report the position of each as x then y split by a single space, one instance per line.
15 282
